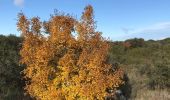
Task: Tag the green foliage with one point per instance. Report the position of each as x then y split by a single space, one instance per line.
159 77
146 63
11 82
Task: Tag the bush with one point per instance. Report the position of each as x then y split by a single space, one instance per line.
159 77
11 83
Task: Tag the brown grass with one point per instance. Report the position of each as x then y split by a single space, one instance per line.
153 95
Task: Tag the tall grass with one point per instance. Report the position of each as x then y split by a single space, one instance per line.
153 95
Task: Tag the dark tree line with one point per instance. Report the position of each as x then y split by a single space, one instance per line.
11 81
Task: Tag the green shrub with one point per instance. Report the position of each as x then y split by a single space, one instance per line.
159 77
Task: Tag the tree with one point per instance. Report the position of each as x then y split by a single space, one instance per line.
134 43
11 83
63 66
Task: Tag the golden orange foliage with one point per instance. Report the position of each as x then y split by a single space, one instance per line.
61 66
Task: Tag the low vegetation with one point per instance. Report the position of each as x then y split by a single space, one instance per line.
146 64
11 81
147 69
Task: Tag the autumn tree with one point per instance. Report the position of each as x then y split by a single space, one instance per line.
63 66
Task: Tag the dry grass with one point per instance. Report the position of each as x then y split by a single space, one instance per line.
153 95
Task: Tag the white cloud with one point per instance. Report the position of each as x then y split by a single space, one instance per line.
156 31
163 27
19 3
126 30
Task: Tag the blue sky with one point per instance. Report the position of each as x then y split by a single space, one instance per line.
117 19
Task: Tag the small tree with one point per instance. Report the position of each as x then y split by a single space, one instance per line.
63 66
